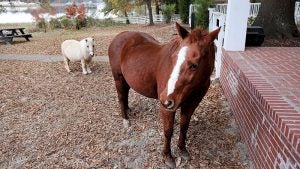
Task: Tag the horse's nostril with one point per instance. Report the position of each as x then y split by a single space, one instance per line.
169 104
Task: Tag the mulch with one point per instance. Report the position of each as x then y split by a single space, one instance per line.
272 42
53 119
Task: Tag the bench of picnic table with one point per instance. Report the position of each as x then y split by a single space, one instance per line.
13 33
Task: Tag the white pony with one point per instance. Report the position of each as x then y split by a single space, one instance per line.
73 50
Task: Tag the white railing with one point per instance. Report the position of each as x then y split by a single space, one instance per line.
254 8
145 19
222 8
217 17
216 20
297 13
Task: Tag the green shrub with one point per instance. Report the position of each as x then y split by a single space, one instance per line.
66 23
183 6
55 24
90 21
41 24
168 12
251 20
107 22
202 12
80 23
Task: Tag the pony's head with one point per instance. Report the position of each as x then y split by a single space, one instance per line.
89 45
192 65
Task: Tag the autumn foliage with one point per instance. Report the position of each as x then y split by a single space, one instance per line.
77 13
74 11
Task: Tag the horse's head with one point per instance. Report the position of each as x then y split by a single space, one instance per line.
193 64
89 46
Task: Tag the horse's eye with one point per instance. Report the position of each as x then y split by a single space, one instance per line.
193 66
87 46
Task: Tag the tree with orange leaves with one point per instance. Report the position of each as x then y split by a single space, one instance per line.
77 13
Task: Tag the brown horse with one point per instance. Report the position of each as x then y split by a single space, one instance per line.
177 73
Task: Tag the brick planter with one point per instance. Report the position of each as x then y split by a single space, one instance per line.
262 86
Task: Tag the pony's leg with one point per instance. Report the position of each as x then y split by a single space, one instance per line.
83 66
88 69
123 90
168 123
67 61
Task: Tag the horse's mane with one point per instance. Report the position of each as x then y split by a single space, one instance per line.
173 45
197 35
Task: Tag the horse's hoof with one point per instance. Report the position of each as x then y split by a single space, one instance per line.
126 123
185 155
85 73
170 163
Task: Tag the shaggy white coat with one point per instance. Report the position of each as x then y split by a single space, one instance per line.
73 50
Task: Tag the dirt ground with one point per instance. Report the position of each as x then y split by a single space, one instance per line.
52 119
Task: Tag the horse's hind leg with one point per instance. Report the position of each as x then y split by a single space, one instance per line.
123 90
67 61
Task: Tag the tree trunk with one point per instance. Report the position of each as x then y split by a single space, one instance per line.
126 16
148 2
156 7
277 18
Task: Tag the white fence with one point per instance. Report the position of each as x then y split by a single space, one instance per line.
145 19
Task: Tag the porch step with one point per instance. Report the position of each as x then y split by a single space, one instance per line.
262 86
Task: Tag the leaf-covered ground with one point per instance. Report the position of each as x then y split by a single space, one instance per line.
49 43
53 119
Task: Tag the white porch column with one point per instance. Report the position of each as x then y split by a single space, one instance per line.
236 25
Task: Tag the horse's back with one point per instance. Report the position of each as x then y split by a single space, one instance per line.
71 49
124 42
132 55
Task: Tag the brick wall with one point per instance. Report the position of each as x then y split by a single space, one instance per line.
269 122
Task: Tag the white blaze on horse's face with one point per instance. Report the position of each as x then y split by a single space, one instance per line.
176 70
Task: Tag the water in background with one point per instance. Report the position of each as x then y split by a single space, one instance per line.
23 14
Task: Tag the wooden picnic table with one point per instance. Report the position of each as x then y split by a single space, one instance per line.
7 34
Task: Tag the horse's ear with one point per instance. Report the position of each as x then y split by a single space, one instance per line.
86 40
182 32
212 35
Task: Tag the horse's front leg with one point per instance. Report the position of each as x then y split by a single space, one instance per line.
83 66
185 117
88 69
168 123
187 110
